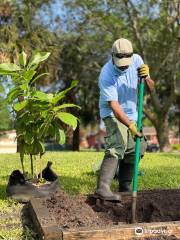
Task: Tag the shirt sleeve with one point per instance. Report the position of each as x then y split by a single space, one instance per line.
108 89
139 61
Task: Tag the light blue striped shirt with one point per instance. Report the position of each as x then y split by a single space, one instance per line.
121 87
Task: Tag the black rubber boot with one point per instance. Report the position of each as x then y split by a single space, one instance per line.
22 191
48 174
125 176
106 174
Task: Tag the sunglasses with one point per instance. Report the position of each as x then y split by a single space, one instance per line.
123 55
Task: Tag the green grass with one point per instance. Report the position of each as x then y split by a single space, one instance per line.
76 176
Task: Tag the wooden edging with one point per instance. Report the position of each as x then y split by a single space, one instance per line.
127 232
48 229
45 224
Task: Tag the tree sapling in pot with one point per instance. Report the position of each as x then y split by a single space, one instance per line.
38 115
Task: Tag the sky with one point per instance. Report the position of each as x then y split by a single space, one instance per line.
56 10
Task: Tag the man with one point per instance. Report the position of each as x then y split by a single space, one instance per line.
118 83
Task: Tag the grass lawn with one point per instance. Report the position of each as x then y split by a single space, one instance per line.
76 176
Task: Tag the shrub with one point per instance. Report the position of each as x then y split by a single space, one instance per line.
38 114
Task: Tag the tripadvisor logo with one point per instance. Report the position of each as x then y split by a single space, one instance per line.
138 231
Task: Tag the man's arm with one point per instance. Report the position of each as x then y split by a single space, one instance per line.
122 117
119 113
149 83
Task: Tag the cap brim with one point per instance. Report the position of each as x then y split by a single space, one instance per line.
123 61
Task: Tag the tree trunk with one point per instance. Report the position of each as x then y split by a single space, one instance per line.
162 130
18 148
76 138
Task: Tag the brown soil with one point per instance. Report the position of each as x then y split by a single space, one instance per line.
80 211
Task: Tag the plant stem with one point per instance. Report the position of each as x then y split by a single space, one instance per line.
36 172
22 163
32 167
40 168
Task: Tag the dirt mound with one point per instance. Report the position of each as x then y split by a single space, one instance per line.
72 211
81 211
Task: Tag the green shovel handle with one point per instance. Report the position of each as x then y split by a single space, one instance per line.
139 125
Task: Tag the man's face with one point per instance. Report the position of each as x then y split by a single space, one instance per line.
123 68
122 59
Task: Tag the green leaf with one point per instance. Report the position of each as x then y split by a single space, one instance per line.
68 118
51 131
39 105
20 105
9 67
44 113
50 97
24 87
62 94
28 75
41 96
57 133
13 94
6 73
23 114
43 130
41 147
62 137
37 58
39 76
28 138
66 105
28 120
23 59
31 148
28 149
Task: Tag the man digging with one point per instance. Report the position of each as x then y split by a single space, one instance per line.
118 83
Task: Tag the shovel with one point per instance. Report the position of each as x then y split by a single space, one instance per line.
137 149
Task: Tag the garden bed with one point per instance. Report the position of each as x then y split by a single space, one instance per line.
80 217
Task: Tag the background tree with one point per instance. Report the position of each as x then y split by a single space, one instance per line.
88 41
6 121
157 39
153 28
80 35
21 28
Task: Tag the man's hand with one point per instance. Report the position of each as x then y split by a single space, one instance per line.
134 131
143 71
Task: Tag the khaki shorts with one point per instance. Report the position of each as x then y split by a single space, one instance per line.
119 142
